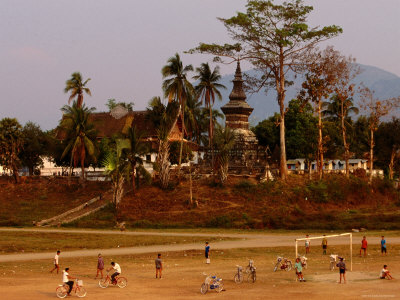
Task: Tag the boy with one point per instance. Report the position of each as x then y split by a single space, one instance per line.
383 245
307 244
207 253
117 272
342 270
364 245
299 270
56 265
385 273
67 280
158 265
100 266
324 245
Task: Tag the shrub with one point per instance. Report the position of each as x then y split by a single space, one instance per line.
318 192
245 185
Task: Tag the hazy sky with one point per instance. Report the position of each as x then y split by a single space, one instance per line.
123 44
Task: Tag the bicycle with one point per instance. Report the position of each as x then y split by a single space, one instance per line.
283 264
213 283
62 289
121 282
238 278
251 270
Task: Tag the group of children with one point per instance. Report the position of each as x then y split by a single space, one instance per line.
341 264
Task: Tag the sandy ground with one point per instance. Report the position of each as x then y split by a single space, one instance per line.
29 278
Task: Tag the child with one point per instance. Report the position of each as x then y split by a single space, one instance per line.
383 245
100 266
324 245
158 265
307 244
56 265
68 280
342 270
207 253
385 273
299 269
364 245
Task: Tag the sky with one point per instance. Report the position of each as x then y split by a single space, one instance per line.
123 44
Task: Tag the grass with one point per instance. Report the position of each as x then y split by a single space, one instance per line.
17 242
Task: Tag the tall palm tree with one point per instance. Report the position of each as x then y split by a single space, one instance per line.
135 150
80 134
77 87
208 89
176 88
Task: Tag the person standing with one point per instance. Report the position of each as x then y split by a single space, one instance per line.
307 244
383 245
100 266
56 264
159 266
324 245
342 270
207 253
299 269
364 245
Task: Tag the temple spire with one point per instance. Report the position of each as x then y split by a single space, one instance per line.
238 93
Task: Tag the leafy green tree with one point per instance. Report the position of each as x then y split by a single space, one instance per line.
81 135
34 148
176 88
360 137
77 87
275 38
112 103
267 132
224 142
207 90
388 144
11 144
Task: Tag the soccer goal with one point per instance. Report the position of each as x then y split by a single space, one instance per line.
330 236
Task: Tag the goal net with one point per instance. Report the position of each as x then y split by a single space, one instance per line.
350 235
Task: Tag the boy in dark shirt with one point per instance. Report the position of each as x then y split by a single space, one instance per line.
158 265
342 270
207 253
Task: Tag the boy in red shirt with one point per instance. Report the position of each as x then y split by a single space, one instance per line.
364 245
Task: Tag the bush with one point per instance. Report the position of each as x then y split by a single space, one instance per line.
220 221
245 185
318 192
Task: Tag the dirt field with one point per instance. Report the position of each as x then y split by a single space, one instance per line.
183 275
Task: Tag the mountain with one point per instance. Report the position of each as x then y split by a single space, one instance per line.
385 85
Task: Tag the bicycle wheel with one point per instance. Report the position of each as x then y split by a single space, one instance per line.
238 278
103 283
61 292
276 267
289 265
220 287
204 288
251 277
80 291
122 282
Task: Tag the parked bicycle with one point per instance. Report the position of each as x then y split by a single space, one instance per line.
283 264
213 283
78 289
239 275
251 271
119 281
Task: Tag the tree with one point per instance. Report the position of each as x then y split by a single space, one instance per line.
77 87
224 142
207 90
134 150
177 87
112 103
319 83
275 39
11 144
376 109
34 147
80 134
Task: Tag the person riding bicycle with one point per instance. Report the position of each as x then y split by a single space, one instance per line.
67 280
117 272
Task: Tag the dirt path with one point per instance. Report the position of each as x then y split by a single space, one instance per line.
243 241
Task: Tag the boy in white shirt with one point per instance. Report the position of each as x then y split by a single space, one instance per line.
117 270
385 273
56 265
67 280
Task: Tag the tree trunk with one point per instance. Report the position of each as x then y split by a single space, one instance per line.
391 164
320 144
181 147
30 170
371 156
190 184
210 140
282 165
281 100
164 164
345 145
133 177
15 173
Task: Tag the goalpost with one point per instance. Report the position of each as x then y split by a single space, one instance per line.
328 236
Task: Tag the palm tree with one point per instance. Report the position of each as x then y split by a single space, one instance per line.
77 87
135 150
338 110
224 142
80 134
207 90
176 88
